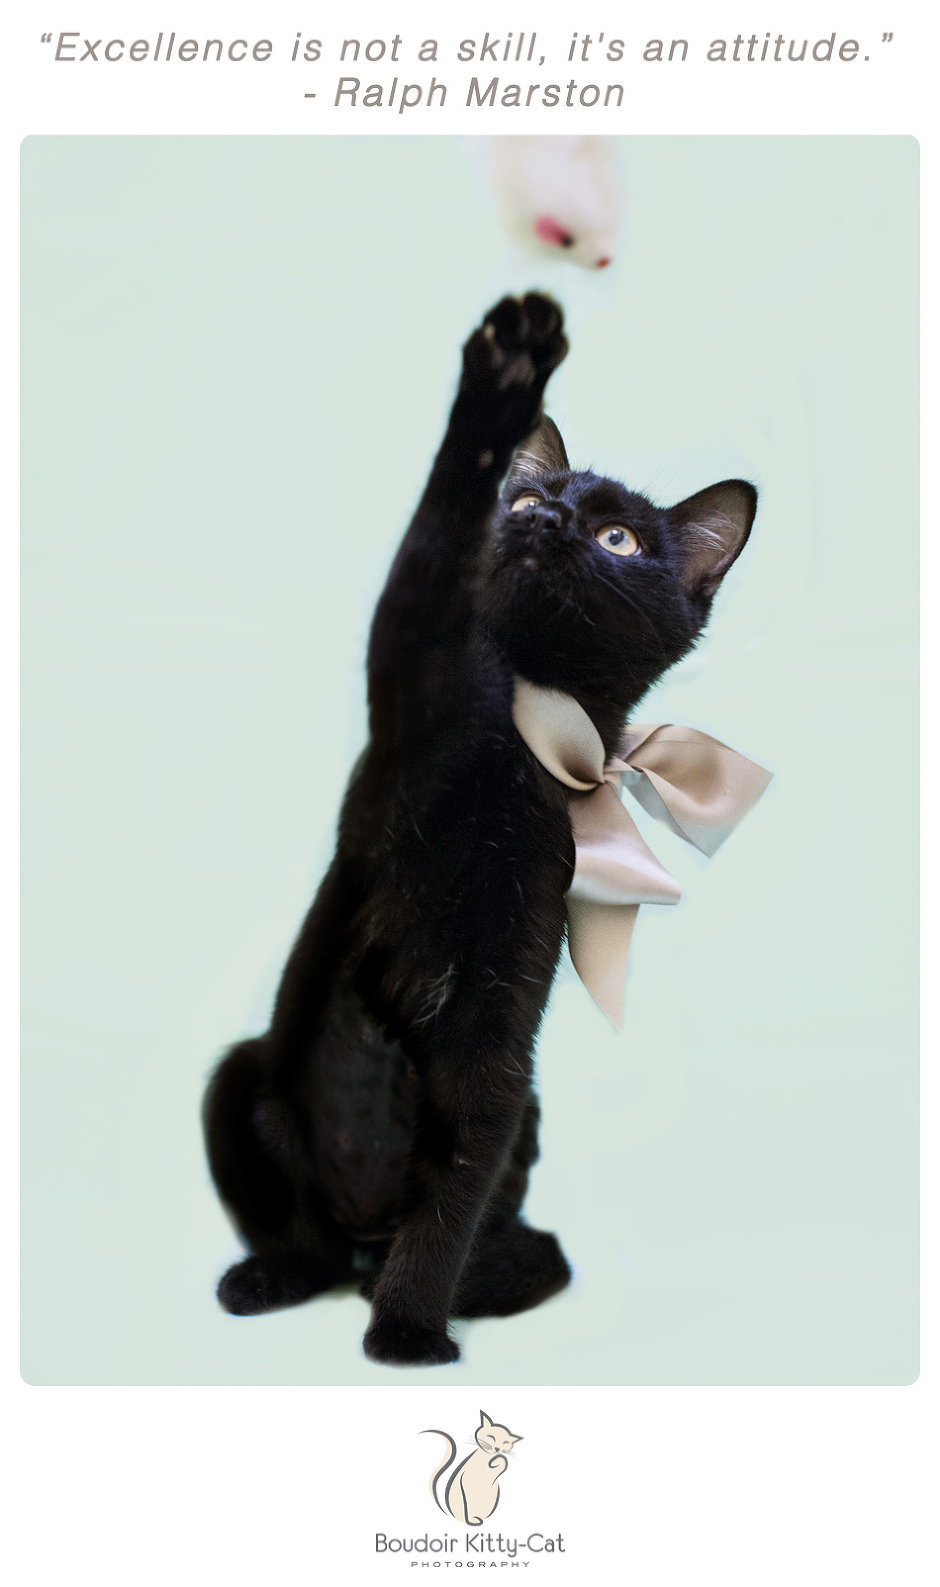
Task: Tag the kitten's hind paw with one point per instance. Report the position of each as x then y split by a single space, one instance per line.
397 1344
508 361
258 1285
511 1270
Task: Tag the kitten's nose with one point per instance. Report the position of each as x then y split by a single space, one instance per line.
549 519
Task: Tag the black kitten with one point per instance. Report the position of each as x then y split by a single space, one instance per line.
385 1126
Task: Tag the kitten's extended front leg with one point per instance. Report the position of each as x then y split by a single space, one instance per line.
426 615
506 365
478 1102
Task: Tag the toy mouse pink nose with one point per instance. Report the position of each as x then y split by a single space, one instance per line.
550 231
602 264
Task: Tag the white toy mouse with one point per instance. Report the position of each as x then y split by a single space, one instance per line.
558 195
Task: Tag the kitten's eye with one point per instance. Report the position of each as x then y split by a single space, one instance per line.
622 542
526 501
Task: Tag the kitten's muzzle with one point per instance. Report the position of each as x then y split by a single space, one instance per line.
545 520
534 537
535 528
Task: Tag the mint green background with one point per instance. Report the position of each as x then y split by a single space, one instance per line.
237 355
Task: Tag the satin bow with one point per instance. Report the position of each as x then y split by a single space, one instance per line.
697 786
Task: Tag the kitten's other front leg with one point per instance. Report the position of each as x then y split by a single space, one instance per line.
477 1104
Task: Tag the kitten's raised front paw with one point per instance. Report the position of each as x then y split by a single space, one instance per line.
398 1344
508 360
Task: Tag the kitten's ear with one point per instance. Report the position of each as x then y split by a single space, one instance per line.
715 524
542 452
484 1420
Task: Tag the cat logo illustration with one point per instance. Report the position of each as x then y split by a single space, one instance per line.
471 1492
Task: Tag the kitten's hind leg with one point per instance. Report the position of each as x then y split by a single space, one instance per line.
271 1283
257 1193
510 1268
297 1253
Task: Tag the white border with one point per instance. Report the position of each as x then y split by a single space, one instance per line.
739 1485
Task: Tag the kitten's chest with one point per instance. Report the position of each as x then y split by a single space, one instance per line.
493 820
473 855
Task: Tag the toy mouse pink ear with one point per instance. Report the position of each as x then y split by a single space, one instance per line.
715 524
542 452
550 231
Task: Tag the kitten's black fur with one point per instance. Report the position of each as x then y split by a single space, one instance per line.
384 1127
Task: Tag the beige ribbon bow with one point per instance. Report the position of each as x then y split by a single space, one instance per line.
694 784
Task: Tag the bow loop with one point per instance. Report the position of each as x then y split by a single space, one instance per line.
613 865
560 734
695 785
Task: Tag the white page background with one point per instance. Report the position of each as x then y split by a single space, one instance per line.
650 1485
